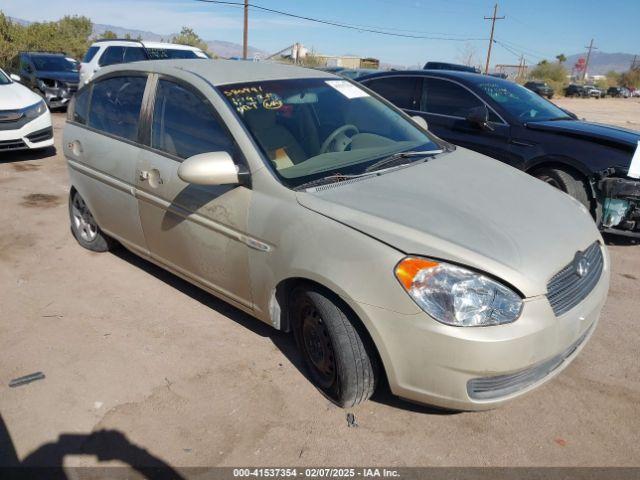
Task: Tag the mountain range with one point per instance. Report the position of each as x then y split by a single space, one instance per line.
601 62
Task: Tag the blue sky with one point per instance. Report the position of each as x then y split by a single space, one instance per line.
539 29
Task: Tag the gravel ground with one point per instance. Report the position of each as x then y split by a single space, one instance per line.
140 365
623 112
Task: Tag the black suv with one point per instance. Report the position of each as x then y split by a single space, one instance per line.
574 90
51 75
541 88
510 123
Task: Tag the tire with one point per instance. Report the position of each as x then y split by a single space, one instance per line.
339 357
550 96
84 227
570 183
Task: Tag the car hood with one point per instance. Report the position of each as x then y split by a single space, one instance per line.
468 209
606 134
70 77
15 95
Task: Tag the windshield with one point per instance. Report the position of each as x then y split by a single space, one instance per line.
311 128
50 63
4 80
520 102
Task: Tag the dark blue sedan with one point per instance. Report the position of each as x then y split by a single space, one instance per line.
510 123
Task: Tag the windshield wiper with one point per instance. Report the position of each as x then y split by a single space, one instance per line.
400 159
334 177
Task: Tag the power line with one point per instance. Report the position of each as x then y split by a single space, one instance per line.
361 28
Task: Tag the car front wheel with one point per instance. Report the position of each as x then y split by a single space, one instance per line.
569 182
84 227
338 355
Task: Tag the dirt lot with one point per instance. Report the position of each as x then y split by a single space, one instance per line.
623 112
158 365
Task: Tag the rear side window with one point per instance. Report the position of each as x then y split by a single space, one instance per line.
398 90
447 98
111 56
80 108
90 54
184 123
115 106
134 54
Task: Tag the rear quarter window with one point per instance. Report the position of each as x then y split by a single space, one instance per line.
115 106
90 54
398 90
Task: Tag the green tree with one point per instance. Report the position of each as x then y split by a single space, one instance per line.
69 35
11 38
188 36
561 58
612 78
630 79
553 73
108 35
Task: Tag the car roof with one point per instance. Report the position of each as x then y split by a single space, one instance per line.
45 54
221 72
464 77
124 42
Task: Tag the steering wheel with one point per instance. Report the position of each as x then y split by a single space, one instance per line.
339 139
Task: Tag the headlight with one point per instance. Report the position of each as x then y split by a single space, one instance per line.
456 296
35 110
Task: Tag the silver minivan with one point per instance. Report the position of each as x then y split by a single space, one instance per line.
319 208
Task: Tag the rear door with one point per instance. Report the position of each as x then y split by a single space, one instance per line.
102 148
198 231
445 105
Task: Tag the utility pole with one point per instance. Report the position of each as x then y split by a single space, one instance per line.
520 67
635 63
586 64
245 35
493 19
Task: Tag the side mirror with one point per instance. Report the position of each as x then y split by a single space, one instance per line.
15 78
421 122
213 168
479 116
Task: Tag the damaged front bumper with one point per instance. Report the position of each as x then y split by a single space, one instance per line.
620 199
59 95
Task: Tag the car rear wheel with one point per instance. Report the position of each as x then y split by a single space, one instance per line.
338 356
569 182
84 227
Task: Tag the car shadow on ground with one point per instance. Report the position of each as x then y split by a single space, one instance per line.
47 461
26 155
283 341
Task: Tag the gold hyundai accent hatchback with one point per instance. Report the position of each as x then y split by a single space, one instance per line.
319 208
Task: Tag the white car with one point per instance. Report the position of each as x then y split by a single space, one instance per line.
25 121
110 52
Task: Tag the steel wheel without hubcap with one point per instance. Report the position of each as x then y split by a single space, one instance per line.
83 221
317 346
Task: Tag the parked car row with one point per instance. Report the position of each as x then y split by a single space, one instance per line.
505 121
318 207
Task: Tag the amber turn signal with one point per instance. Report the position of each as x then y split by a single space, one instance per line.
408 268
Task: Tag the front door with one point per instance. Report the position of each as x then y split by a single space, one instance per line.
197 231
445 105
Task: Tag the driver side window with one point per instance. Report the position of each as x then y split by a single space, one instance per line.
443 97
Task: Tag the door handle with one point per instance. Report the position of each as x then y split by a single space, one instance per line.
152 176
